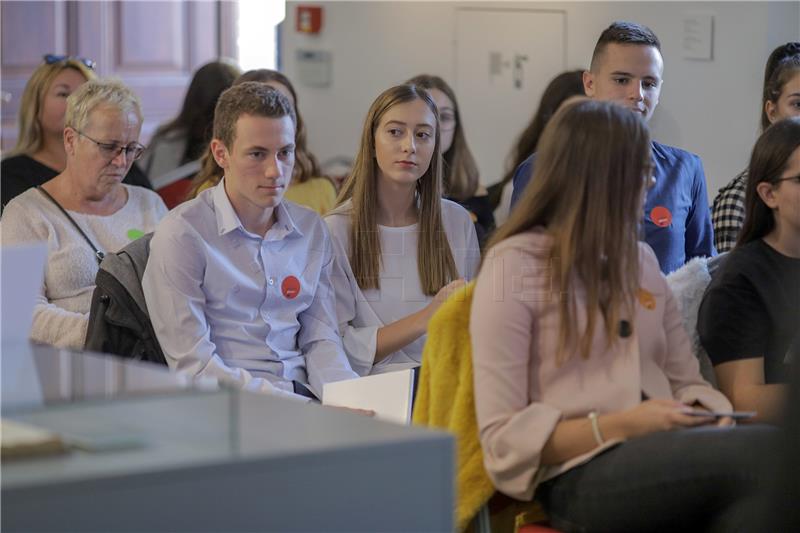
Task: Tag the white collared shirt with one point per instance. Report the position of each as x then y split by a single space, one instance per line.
255 312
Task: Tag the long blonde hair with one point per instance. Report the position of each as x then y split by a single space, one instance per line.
587 190
30 137
461 177
435 263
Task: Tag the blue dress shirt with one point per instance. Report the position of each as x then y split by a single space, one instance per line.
680 191
255 312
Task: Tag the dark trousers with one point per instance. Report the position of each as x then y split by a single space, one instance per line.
699 479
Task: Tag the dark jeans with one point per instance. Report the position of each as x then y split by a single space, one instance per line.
700 479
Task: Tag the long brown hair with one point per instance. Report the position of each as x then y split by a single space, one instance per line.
305 164
587 192
460 179
196 117
435 263
770 156
560 88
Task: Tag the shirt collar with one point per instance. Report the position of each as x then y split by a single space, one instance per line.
228 220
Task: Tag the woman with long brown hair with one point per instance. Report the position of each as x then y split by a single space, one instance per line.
309 187
399 248
748 320
585 384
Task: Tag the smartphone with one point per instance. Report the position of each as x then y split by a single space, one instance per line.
736 415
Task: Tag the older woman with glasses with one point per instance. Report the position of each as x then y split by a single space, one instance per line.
86 210
39 153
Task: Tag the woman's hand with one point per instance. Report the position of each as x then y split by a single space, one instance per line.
442 296
659 415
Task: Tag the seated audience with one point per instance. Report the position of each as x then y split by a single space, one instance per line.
308 187
460 180
586 392
781 99
399 248
39 153
559 89
238 283
748 320
185 139
86 210
627 68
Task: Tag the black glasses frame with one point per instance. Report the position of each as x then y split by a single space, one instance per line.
133 151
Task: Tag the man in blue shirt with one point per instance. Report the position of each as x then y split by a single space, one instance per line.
238 283
627 68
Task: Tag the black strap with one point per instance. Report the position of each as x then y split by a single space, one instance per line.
97 253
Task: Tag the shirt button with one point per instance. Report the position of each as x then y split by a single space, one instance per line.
271 281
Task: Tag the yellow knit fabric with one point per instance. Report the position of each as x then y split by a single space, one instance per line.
446 400
317 193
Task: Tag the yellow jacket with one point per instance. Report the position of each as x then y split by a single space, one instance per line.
445 399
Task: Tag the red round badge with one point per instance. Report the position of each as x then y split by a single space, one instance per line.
661 216
290 287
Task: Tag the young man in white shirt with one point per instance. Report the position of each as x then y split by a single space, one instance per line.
238 283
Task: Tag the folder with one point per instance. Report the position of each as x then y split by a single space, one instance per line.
389 395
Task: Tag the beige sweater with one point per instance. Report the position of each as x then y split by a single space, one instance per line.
61 315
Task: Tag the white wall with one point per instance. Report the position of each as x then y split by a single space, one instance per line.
708 107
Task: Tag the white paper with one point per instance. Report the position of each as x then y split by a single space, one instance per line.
389 395
21 277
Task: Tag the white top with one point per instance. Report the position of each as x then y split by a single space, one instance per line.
362 313
254 312
61 315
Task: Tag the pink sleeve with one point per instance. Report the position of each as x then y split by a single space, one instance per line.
513 425
681 365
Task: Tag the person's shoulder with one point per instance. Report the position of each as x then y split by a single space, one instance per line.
30 199
673 153
147 198
535 244
14 162
648 260
192 216
453 210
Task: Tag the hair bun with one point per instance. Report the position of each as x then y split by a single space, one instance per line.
790 49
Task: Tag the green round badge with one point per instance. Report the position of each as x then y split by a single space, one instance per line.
134 234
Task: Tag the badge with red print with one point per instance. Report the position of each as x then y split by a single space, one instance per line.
661 216
290 287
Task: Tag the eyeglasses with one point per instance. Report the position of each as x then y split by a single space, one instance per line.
795 179
133 151
52 58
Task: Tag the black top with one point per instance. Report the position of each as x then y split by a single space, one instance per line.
752 309
480 209
21 172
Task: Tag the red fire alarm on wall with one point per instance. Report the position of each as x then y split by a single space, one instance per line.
309 19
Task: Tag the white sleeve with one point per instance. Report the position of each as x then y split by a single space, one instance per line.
360 342
173 291
51 323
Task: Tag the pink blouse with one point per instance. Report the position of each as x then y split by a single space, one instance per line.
520 392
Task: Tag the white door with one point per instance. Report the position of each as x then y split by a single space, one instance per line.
504 61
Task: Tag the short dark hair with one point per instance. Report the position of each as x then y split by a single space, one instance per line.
249 98
622 32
